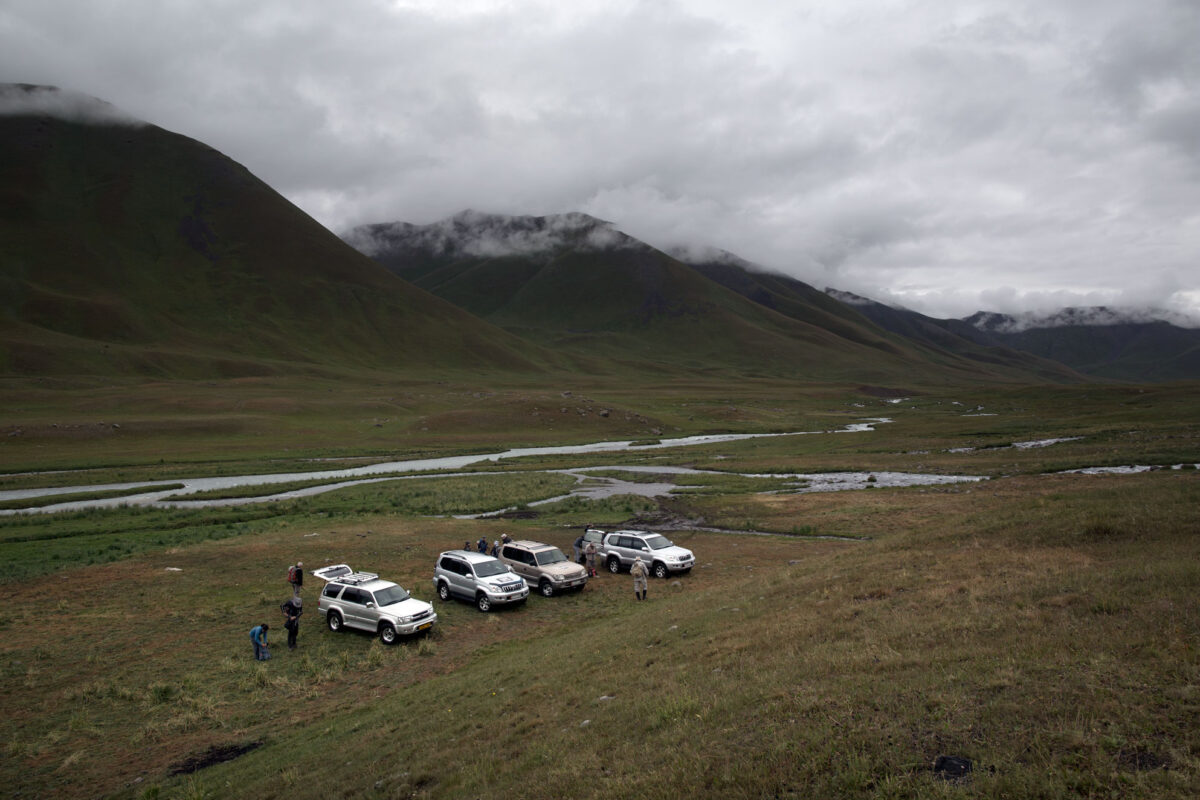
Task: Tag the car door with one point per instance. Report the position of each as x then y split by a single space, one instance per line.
354 607
511 556
459 575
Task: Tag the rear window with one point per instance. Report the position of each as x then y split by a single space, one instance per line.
331 590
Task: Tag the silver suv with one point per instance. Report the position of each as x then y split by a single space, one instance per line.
543 564
482 579
621 548
361 600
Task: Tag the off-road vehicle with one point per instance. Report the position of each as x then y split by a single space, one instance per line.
361 600
662 557
479 578
543 565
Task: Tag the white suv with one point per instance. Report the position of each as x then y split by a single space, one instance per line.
361 600
479 578
621 548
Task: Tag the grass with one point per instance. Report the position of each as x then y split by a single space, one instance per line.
1043 626
72 497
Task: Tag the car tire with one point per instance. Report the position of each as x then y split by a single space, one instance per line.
333 621
660 570
444 591
614 564
387 634
483 602
546 588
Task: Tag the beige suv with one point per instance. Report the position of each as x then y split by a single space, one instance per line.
543 565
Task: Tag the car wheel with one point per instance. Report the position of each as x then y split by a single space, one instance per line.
546 588
334 621
444 591
614 564
660 570
483 602
387 634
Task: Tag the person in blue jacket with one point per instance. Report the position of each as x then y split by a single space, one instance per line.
258 637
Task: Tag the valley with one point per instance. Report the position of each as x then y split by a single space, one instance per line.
1007 574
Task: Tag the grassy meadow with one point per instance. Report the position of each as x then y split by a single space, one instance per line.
1043 625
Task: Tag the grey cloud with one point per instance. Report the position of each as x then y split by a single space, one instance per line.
930 153
18 99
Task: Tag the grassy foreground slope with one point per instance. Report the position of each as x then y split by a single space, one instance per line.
1042 625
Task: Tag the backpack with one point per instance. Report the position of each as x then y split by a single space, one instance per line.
292 574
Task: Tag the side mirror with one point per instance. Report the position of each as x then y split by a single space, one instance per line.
370 604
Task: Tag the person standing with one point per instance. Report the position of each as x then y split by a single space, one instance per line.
481 545
590 553
296 578
258 637
495 548
640 575
292 610
578 546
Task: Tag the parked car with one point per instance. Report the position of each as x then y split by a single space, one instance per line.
362 600
621 548
543 565
596 537
478 578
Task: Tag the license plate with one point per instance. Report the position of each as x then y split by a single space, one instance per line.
424 625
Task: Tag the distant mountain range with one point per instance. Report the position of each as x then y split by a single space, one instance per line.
129 250
576 284
1121 344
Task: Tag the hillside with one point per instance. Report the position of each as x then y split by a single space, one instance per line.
129 250
1096 341
576 284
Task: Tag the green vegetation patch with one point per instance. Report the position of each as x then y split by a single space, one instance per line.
44 500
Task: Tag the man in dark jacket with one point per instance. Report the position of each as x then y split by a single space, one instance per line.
292 610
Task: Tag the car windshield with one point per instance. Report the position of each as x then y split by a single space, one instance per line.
390 595
486 569
546 557
658 542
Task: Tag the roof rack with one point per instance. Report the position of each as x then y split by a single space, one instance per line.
356 578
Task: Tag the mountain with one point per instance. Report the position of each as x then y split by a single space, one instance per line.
576 284
1102 342
127 249
1108 343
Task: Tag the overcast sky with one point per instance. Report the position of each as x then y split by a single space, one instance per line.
950 156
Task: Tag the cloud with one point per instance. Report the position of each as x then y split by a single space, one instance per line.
25 99
896 148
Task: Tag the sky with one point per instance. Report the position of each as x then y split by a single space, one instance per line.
949 157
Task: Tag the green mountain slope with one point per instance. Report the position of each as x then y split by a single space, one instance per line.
126 249
574 283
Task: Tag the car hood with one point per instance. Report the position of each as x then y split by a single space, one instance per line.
673 552
406 608
566 569
502 580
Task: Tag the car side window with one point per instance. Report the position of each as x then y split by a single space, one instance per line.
331 590
352 595
510 552
528 558
638 544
